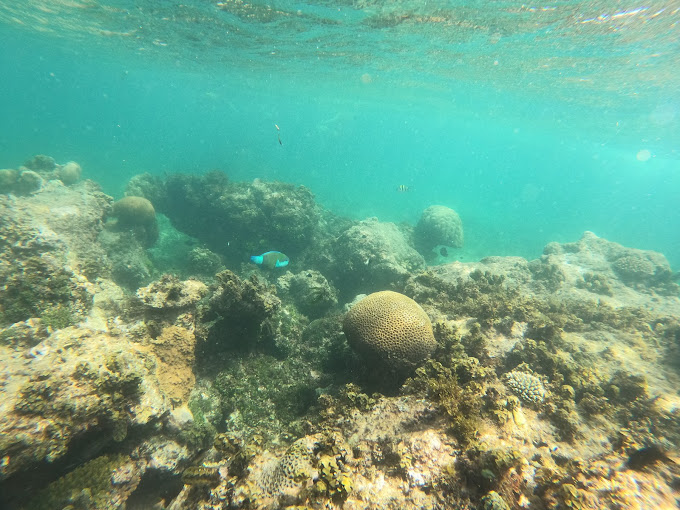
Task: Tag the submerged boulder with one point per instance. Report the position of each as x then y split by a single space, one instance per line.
373 255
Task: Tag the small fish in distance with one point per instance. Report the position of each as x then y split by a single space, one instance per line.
270 259
403 188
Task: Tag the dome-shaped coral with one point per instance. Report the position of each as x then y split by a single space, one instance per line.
391 329
69 173
133 211
138 215
438 225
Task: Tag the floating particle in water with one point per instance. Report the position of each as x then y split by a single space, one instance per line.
643 155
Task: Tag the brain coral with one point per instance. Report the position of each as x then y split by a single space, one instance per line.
391 329
132 211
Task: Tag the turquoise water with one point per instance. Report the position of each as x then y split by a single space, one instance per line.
534 122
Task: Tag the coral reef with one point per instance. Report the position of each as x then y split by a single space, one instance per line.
41 163
390 329
438 225
28 182
204 262
134 211
284 479
549 383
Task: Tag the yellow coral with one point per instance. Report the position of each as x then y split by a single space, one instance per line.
390 328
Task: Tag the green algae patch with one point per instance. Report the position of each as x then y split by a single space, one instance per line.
35 291
88 486
58 317
461 405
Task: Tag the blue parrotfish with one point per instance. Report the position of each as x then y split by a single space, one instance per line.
270 259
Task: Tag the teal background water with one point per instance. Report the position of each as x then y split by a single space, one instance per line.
469 118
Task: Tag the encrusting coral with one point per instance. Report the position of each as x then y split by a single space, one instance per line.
528 387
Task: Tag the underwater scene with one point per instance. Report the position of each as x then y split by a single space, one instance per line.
352 254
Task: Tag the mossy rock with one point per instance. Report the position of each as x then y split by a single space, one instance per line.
89 485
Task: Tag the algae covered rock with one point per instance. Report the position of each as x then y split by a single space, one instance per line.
373 254
438 225
130 264
49 248
104 384
310 291
390 329
169 292
627 271
237 310
41 163
96 485
493 501
28 182
236 218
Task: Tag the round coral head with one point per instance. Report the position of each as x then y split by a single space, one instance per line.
133 211
391 329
